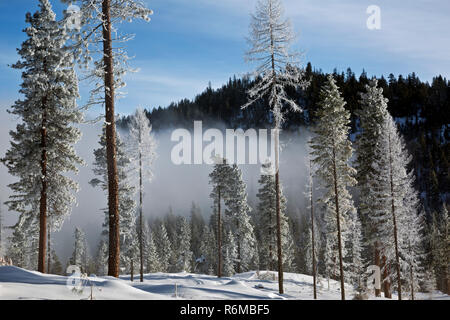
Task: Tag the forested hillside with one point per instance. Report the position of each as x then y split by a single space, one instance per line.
421 109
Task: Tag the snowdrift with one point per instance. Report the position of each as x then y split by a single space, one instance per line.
17 283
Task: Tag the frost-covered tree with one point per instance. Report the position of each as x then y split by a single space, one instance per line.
312 231
98 34
267 225
371 116
395 200
151 254
207 260
102 258
441 249
141 149
18 245
127 204
439 242
331 153
164 248
413 245
219 179
79 255
197 227
1 231
183 250
56 266
238 220
41 152
129 242
229 254
270 39
356 263
310 250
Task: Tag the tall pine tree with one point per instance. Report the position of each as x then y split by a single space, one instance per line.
331 153
42 150
141 148
98 35
270 39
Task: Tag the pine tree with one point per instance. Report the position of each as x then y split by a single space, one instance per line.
312 231
229 254
208 249
164 248
440 252
355 251
1 230
127 204
57 267
18 244
394 197
102 258
445 223
197 227
141 147
413 245
270 39
184 261
331 153
42 150
238 220
267 226
98 18
129 242
371 116
219 181
80 255
153 260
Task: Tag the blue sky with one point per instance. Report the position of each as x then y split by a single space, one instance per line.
190 43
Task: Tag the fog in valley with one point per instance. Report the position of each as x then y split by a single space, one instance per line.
173 186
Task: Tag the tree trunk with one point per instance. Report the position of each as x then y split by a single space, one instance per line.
394 221
49 257
412 281
277 177
377 263
132 270
386 281
43 200
277 188
270 265
336 199
312 234
141 238
113 184
219 240
238 266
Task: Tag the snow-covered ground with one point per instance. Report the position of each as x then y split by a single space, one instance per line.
16 283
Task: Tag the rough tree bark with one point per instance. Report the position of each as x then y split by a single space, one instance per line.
132 271
141 240
238 265
219 240
312 233
277 188
394 221
43 200
377 263
113 199
386 281
336 199
49 256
